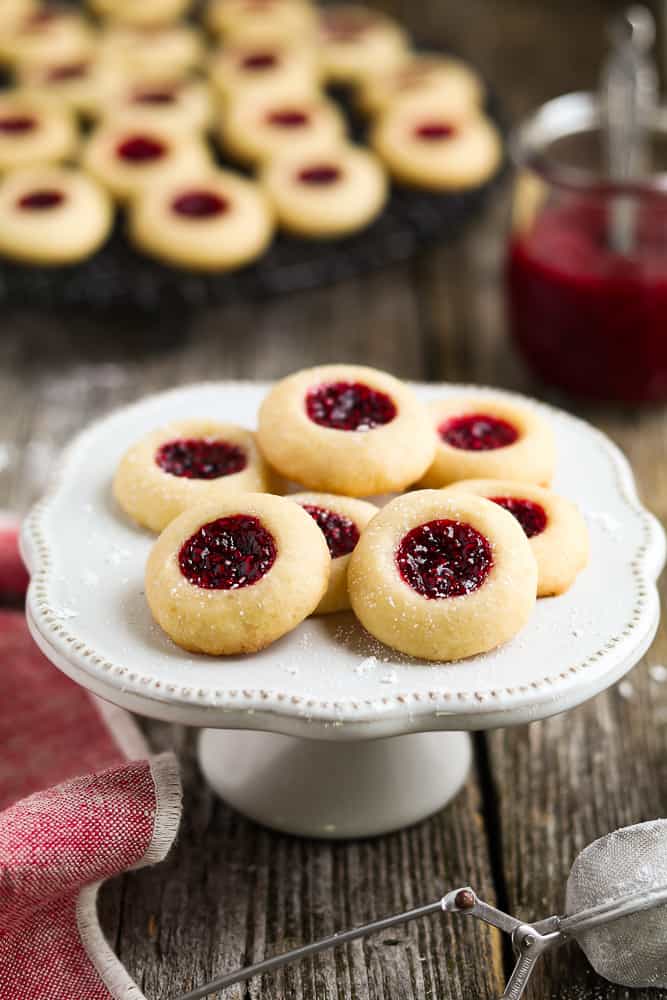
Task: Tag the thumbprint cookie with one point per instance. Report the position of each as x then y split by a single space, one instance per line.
211 220
443 577
346 429
327 193
81 81
423 144
292 20
554 526
178 104
489 437
185 464
256 127
341 521
147 13
234 575
47 32
12 13
356 40
262 67
171 50
52 215
129 158
457 87
34 129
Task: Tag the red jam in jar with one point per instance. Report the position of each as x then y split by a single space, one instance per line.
586 317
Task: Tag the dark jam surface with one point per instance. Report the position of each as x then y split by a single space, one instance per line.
228 553
349 406
321 174
434 131
200 458
531 516
478 432
288 118
154 97
444 559
17 124
340 532
259 61
71 71
199 204
141 149
39 200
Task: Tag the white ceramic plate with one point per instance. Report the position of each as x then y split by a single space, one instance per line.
328 678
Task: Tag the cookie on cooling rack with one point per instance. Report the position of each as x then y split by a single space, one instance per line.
443 577
12 13
46 32
341 520
356 40
184 464
52 215
147 13
346 429
489 437
255 127
127 159
170 51
425 145
213 220
456 86
326 193
292 20
34 129
235 575
81 81
264 66
554 526
179 104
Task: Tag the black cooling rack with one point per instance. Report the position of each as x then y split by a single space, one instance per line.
118 276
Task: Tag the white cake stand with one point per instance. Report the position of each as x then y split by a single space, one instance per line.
327 732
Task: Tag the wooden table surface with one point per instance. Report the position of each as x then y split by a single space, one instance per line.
232 892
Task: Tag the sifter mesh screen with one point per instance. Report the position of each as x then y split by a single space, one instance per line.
632 950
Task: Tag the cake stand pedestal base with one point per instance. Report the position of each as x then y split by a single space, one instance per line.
335 789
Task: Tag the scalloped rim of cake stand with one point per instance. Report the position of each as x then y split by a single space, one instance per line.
275 710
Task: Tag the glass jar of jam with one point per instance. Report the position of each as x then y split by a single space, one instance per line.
587 261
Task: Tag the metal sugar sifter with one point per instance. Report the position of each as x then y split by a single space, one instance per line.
616 910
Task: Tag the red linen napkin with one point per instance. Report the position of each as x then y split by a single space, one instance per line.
80 801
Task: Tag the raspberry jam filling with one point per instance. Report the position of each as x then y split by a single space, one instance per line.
40 200
348 26
259 61
72 71
288 118
531 516
444 559
434 131
199 204
321 174
141 149
154 97
349 406
17 124
478 432
227 554
340 532
200 458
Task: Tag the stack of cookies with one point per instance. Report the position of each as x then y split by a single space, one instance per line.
258 531
135 106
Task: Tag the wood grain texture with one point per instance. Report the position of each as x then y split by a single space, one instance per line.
230 892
